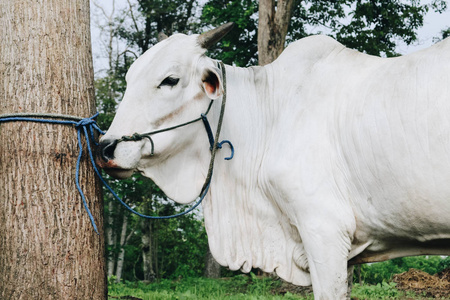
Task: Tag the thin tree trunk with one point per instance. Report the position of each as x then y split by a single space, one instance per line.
110 238
273 23
123 241
48 248
212 267
147 253
358 273
155 251
108 30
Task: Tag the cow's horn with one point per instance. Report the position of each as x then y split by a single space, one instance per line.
162 36
210 38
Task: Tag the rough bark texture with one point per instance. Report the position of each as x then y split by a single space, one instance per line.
212 267
48 249
147 250
123 243
272 28
110 239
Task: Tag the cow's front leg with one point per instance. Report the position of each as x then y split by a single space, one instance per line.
327 245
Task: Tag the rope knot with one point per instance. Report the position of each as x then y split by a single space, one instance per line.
132 138
87 121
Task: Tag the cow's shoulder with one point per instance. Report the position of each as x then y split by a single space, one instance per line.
313 47
307 52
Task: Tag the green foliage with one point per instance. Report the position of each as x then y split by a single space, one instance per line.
445 33
139 26
262 285
108 92
313 17
240 287
373 27
111 280
180 244
379 291
376 25
240 46
378 273
182 247
444 264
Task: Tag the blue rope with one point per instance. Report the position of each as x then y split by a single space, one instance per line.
219 146
211 138
83 126
201 197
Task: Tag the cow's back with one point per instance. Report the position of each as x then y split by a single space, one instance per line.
385 124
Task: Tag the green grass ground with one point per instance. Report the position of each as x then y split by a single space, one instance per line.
238 288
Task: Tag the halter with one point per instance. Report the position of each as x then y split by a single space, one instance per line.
213 141
140 136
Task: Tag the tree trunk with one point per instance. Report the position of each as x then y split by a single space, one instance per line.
358 273
273 24
123 242
48 248
212 267
110 238
147 250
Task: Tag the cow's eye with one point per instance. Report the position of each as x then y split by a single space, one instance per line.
169 81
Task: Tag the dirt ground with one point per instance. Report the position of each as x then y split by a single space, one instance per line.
436 286
423 284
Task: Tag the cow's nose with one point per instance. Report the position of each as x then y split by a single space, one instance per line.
106 149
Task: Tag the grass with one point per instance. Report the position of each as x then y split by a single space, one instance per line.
237 288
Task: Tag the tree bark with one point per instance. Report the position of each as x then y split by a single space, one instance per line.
123 242
48 248
358 273
110 239
147 250
273 24
212 267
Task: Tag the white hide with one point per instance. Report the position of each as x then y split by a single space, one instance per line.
339 155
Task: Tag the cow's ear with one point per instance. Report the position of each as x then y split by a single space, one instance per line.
212 83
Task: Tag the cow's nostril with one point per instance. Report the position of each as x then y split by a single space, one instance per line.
107 148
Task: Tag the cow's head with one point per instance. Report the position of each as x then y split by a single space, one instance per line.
171 83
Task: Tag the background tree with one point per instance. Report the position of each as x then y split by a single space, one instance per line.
376 26
144 19
373 27
445 33
240 46
109 89
48 248
149 249
212 268
173 248
274 19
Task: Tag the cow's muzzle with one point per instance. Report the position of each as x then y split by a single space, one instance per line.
105 160
106 150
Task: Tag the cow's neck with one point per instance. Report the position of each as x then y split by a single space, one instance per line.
248 115
247 124
243 224
234 191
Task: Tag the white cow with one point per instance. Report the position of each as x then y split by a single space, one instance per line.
341 157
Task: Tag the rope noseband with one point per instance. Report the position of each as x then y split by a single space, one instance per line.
214 145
